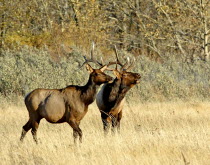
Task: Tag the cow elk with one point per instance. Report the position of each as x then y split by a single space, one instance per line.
111 97
69 104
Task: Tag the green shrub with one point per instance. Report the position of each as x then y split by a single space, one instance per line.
30 68
172 80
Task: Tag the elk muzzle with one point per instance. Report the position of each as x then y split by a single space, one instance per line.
138 76
109 78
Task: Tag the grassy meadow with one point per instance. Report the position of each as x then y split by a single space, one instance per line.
162 123
155 133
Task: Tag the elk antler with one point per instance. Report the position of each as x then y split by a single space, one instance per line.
117 62
131 65
91 57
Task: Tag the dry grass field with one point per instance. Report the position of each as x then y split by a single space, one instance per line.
164 133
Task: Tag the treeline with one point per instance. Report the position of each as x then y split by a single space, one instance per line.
28 69
159 29
42 43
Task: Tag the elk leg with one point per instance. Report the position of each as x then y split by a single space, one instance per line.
106 123
118 121
35 125
114 123
26 128
75 135
76 131
106 127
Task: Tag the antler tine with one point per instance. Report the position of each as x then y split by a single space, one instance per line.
117 62
91 60
117 57
132 63
102 61
126 63
114 62
91 57
86 61
92 49
116 53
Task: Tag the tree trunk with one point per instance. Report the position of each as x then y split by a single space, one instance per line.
206 32
2 29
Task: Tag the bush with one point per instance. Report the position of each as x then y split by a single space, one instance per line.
172 80
28 69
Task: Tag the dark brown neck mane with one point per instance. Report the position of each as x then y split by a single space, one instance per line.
114 94
88 92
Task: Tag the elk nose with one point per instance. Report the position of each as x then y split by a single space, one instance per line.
138 75
110 78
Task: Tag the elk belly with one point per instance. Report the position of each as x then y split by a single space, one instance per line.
99 99
53 108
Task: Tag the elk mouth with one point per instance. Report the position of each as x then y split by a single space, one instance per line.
110 79
137 81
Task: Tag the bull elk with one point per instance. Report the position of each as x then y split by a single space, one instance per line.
111 97
69 104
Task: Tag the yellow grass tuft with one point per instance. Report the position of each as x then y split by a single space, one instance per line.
151 134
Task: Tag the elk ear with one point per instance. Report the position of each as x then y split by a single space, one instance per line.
103 68
89 68
117 73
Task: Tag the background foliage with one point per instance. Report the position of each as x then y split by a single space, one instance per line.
42 43
27 69
159 29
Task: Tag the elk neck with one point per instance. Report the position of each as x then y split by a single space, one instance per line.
114 89
118 92
88 92
119 89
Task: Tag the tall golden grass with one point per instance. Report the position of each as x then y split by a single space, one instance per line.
151 134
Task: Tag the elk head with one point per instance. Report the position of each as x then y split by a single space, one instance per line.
96 75
128 79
